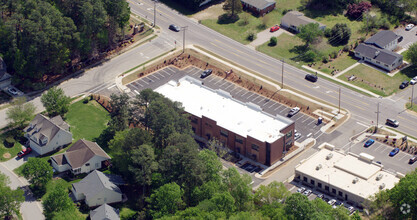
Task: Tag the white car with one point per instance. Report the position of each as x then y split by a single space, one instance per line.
12 91
307 192
413 80
332 202
300 190
293 111
409 27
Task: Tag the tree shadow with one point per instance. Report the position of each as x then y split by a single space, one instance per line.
227 19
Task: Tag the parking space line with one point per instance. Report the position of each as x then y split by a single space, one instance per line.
136 91
195 73
237 87
250 95
215 83
153 76
282 110
160 75
302 115
145 81
165 71
253 100
262 99
273 105
213 78
139 83
277 108
190 70
245 93
402 157
231 84
311 122
223 84
377 148
317 132
305 119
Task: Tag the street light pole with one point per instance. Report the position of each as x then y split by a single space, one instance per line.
412 96
282 78
377 117
183 38
154 13
339 98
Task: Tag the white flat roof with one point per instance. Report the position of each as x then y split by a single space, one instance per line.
341 169
244 119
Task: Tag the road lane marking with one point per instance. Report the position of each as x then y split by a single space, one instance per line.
136 91
111 86
308 135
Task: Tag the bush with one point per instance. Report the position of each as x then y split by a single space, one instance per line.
9 141
273 41
328 32
285 11
346 48
325 59
251 36
340 33
309 56
85 100
227 19
333 54
355 11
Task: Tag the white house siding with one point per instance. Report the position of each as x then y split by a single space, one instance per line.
105 196
397 62
61 168
95 163
61 138
78 196
391 46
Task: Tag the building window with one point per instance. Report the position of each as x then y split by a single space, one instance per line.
194 120
224 133
305 179
319 185
193 129
289 134
312 182
255 147
239 140
326 188
87 164
340 194
334 191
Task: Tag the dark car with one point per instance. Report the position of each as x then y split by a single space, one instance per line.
174 28
311 78
400 38
245 165
206 73
404 84
394 152
24 152
369 142
392 122
412 160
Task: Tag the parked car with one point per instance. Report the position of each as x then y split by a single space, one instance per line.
404 84
413 80
206 73
400 38
378 162
12 91
24 152
332 202
409 27
307 192
338 203
351 209
311 77
297 135
258 169
369 142
326 199
394 152
293 111
320 196
301 190
412 160
274 28
245 165
392 122
174 28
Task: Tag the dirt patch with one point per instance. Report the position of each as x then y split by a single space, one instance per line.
212 12
7 155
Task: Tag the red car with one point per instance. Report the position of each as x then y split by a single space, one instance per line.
274 28
24 152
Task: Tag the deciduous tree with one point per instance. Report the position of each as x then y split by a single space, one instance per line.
411 53
38 172
56 201
55 101
119 111
273 192
340 34
239 187
143 165
20 112
166 200
10 200
310 33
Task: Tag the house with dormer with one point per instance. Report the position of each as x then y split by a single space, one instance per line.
82 157
46 135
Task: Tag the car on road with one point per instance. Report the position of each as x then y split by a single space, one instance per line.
394 152
297 135
404 84
332 202
412 160
409 27
413 80
293 111
274 28
174 27
307 192
311 78
400 38
24 152
392 122
12 91
206 73
301 190
369 142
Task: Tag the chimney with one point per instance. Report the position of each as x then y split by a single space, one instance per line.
377 53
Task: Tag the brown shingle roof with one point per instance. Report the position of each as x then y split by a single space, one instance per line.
82 151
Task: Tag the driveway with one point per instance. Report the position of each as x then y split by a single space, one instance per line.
410 36
266 35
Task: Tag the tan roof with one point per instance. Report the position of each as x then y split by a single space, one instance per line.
47 127
81 152
297 18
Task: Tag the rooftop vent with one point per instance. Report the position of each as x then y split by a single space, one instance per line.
318 167
382 186
355 180
329 156
379 176
377 52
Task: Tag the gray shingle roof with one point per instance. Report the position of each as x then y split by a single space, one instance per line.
47 127
104 212
94 183
382 38
384 56
3 68
80 153
259 4
297 18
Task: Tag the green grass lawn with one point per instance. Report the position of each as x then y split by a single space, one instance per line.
342 62
408 106
4 151
87 120
378 82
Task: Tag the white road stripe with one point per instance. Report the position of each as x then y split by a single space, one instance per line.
136 91
308 135
111 86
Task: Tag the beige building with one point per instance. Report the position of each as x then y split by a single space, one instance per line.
349 177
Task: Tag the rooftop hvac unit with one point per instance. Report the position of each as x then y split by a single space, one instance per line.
379 176
382 186
355 180
329 156
318 167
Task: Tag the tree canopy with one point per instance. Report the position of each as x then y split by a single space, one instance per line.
20 112
55 101
411 53
56 201
38 172
310 33
10 200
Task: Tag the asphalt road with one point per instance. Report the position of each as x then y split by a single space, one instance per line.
362 107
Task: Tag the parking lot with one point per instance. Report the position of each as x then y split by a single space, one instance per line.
409 37
381 152
304 124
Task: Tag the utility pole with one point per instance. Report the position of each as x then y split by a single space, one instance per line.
377 117
183 38
282 78
412 96
339 98
367 27
154 13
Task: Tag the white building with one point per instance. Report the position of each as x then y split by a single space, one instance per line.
349 177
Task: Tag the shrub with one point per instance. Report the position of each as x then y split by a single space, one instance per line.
9 141
355 11
309 56
333 54
346 48
327 32
340 34
251 36
325 59
273 41
85 100
285 11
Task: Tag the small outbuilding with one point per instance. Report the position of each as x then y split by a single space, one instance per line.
258 7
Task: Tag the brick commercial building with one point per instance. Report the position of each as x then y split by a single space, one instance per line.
242 127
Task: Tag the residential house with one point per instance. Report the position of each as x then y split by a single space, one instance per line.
104 212
97 188
46 135
82 157
378 50
293 20
258 7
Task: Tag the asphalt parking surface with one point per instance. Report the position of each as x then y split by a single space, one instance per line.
409 37
304 124
381 151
